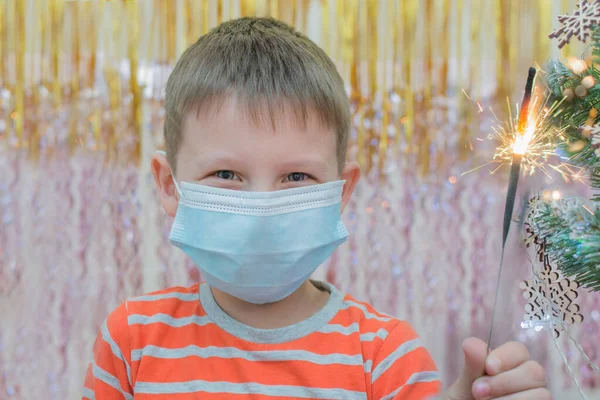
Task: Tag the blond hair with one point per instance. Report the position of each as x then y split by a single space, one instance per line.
269 67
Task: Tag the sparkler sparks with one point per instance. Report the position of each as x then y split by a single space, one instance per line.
536 144
522 140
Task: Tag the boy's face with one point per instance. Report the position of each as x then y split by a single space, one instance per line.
226 149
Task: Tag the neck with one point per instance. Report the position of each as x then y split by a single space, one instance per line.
297 307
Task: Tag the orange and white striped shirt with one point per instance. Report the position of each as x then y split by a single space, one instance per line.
179 344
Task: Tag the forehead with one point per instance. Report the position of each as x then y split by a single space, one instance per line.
234 125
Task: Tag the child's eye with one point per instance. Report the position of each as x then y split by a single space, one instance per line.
296 177
226 175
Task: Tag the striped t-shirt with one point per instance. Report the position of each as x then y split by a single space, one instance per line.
179 344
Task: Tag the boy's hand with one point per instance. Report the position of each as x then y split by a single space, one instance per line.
509 374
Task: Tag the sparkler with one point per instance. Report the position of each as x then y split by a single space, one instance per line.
536 143
524 134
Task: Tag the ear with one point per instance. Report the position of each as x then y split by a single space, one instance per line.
350 174
167 193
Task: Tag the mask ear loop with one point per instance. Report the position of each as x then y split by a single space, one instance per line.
164 153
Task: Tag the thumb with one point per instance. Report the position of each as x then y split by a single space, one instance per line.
475 351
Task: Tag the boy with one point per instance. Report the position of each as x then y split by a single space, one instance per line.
257 123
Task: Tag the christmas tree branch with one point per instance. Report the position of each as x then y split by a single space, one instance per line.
571 230
573 113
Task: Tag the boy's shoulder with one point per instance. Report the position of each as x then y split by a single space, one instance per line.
366 315
190 293
363 310
393 350
161 301
166 302
371 321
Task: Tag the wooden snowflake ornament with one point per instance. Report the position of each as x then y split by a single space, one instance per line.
534 240
585 16
550 300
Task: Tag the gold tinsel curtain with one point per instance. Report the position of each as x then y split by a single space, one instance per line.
87 74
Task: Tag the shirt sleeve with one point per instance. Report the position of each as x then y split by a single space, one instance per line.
109 374
403 369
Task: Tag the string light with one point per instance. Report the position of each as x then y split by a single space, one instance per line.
577 65
556 195
588 82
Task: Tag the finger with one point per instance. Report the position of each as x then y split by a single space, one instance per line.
529 375
475 352
506 357
532 394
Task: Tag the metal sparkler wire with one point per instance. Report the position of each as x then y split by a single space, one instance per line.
524 134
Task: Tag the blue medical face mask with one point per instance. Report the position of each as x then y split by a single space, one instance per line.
258 246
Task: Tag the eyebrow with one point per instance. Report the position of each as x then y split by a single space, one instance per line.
301 164
230 162
235 162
